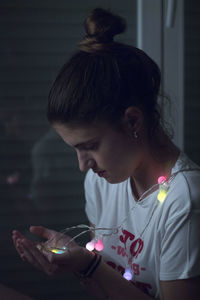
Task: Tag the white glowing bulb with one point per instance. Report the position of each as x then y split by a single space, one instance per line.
99 245
90 245
128 274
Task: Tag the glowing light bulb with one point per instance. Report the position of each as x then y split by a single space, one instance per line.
90 245
99 245
128 274
161 179
163 188
57 251
42 247
162 195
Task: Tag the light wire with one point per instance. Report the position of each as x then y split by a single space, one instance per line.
116 229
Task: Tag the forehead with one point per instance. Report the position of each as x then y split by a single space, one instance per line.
73 135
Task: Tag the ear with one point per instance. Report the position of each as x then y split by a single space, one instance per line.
133 119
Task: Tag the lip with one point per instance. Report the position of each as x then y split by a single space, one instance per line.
100 173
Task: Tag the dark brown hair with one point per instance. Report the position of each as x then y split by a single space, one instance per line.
105 77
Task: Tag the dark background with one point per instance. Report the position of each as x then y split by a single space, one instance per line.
39 178
40 182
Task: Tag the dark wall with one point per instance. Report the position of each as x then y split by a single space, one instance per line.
192 79
39 178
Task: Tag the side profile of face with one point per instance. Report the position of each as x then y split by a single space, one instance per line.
109 152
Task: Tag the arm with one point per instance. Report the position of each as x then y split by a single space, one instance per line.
89 285
181 289
10 294
117 288
106 283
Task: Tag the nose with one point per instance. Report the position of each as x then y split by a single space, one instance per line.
85 162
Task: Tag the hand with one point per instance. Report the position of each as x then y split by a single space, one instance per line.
74 259
29 251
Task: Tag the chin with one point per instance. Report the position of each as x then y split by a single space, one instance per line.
114 180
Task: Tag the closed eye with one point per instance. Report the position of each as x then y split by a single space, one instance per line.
91 147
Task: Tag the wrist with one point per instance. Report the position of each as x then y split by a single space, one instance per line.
85 259
91 262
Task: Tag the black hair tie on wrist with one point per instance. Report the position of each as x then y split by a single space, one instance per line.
91 267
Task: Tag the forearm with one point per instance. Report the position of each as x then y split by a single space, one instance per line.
7 293
93 289
115 286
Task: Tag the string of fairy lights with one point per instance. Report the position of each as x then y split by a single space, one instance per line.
96 244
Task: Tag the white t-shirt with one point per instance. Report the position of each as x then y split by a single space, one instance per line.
169 247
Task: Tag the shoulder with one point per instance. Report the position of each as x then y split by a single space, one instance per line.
184 193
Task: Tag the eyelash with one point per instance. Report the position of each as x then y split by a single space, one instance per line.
92 147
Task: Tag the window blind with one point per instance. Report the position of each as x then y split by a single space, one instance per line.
39 178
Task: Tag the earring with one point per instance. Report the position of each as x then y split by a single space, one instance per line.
135 135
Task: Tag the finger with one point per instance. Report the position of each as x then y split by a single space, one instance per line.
36 258
42 232
17 237
16 242
19 250
14 239
27 255
18 247
16 234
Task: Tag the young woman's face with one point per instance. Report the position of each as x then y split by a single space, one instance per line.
109 152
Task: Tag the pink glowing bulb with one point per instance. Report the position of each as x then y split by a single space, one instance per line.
99 245
161 179
90 245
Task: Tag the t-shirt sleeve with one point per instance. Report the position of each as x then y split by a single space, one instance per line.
180 245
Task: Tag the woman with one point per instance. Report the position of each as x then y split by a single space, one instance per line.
104 104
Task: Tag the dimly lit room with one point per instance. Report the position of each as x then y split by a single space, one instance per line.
99 149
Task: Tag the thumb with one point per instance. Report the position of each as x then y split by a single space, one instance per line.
42 232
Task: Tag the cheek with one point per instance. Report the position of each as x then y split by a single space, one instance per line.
117 155
118 160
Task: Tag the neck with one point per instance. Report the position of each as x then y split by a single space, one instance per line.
156 161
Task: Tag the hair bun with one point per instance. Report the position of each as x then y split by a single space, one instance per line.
101 26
